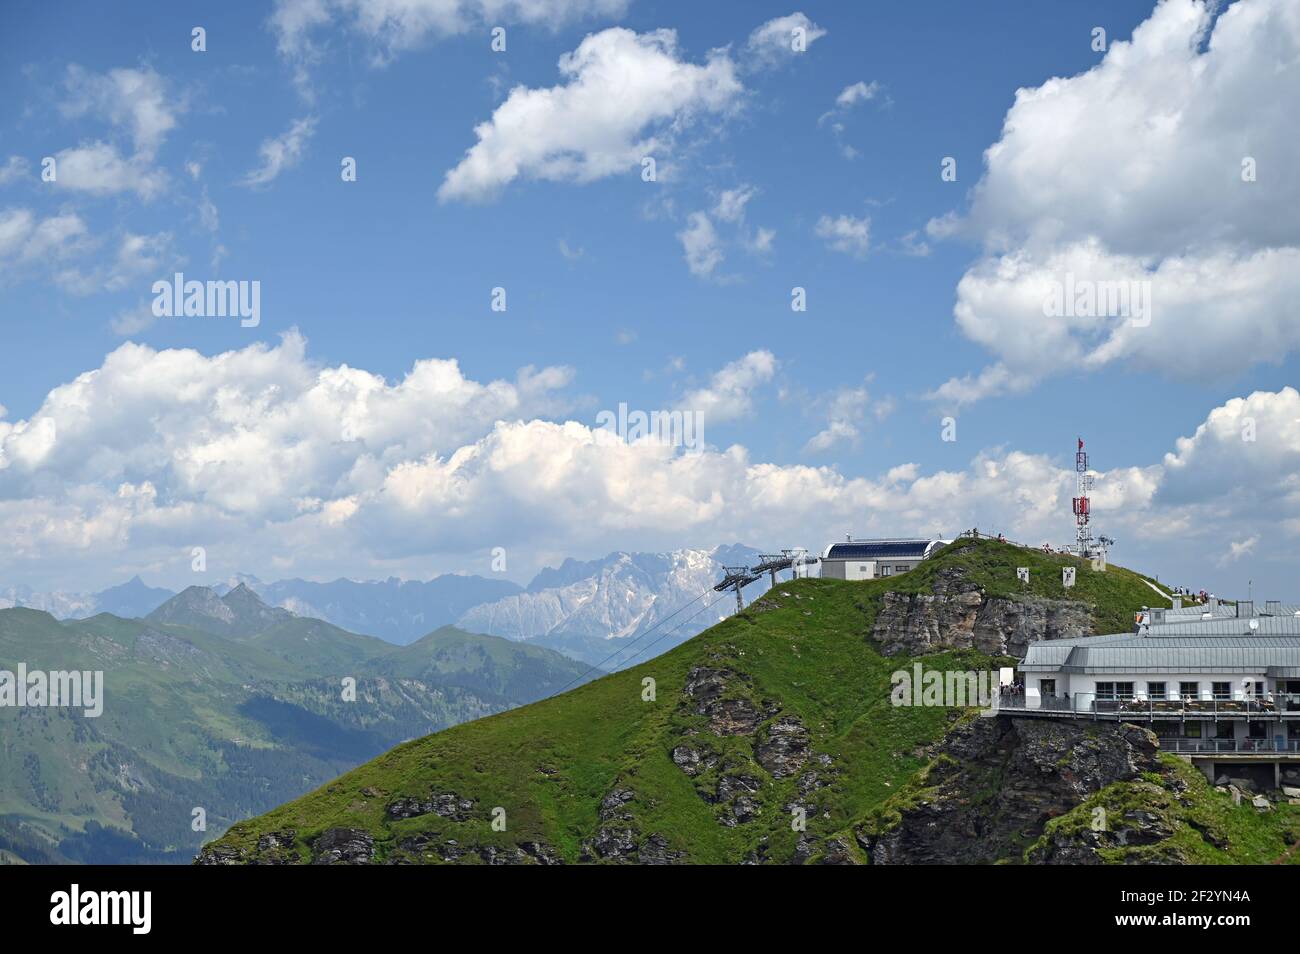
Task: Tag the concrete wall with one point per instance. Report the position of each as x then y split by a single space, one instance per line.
865 569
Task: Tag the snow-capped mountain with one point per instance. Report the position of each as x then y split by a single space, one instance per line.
59 605
128 600
590 609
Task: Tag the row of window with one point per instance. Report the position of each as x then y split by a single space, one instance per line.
1160 690
891 570
887 570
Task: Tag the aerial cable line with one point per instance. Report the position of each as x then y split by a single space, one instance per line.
599 666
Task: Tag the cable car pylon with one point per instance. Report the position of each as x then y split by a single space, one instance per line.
735 578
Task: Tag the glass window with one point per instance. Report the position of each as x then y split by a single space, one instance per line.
1047 687
1155 690
1124 690
1193 730
1222 690
1189 690
1105 690
886 571
1224 730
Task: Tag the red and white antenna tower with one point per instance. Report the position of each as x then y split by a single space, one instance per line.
1082 504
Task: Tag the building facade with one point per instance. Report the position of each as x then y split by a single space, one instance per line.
1219 683
872 559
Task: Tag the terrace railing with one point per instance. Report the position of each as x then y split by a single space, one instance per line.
1232 746
1091 704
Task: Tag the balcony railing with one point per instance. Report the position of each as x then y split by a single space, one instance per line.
1091 704
1237 746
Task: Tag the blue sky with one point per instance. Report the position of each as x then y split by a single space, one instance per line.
383 272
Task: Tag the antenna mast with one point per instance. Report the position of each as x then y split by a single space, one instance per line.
1082 503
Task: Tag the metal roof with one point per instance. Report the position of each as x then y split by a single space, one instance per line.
1199 609
1228 626
875 549
1262 610
1151 653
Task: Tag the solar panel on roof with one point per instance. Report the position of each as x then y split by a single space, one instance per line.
900 549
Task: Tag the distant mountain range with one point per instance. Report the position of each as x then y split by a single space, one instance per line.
585 609
227 704
776 737
398 611
629 601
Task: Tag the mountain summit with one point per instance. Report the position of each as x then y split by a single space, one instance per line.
240 613
772 737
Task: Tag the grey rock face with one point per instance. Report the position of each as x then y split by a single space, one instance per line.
445 804
1133 828
343 846
734 716
691 761
1002 780
611 806
959 616
785 749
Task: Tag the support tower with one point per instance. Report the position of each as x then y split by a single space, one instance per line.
1083 545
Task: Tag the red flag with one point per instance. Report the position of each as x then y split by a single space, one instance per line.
1080 443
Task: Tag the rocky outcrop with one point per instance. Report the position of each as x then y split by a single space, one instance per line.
741 787
958 615
624 844
995 784
692 759
343 846
785 749
273 848
618 838
733 715
425 847
445 804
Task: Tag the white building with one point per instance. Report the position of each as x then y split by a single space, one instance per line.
1217 680
871 559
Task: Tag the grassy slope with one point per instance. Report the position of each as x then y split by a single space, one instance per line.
175 701
804 646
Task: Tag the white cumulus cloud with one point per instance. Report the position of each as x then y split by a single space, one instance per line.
1165 164
624 96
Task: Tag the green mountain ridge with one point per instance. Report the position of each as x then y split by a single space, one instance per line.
232 708
768 738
